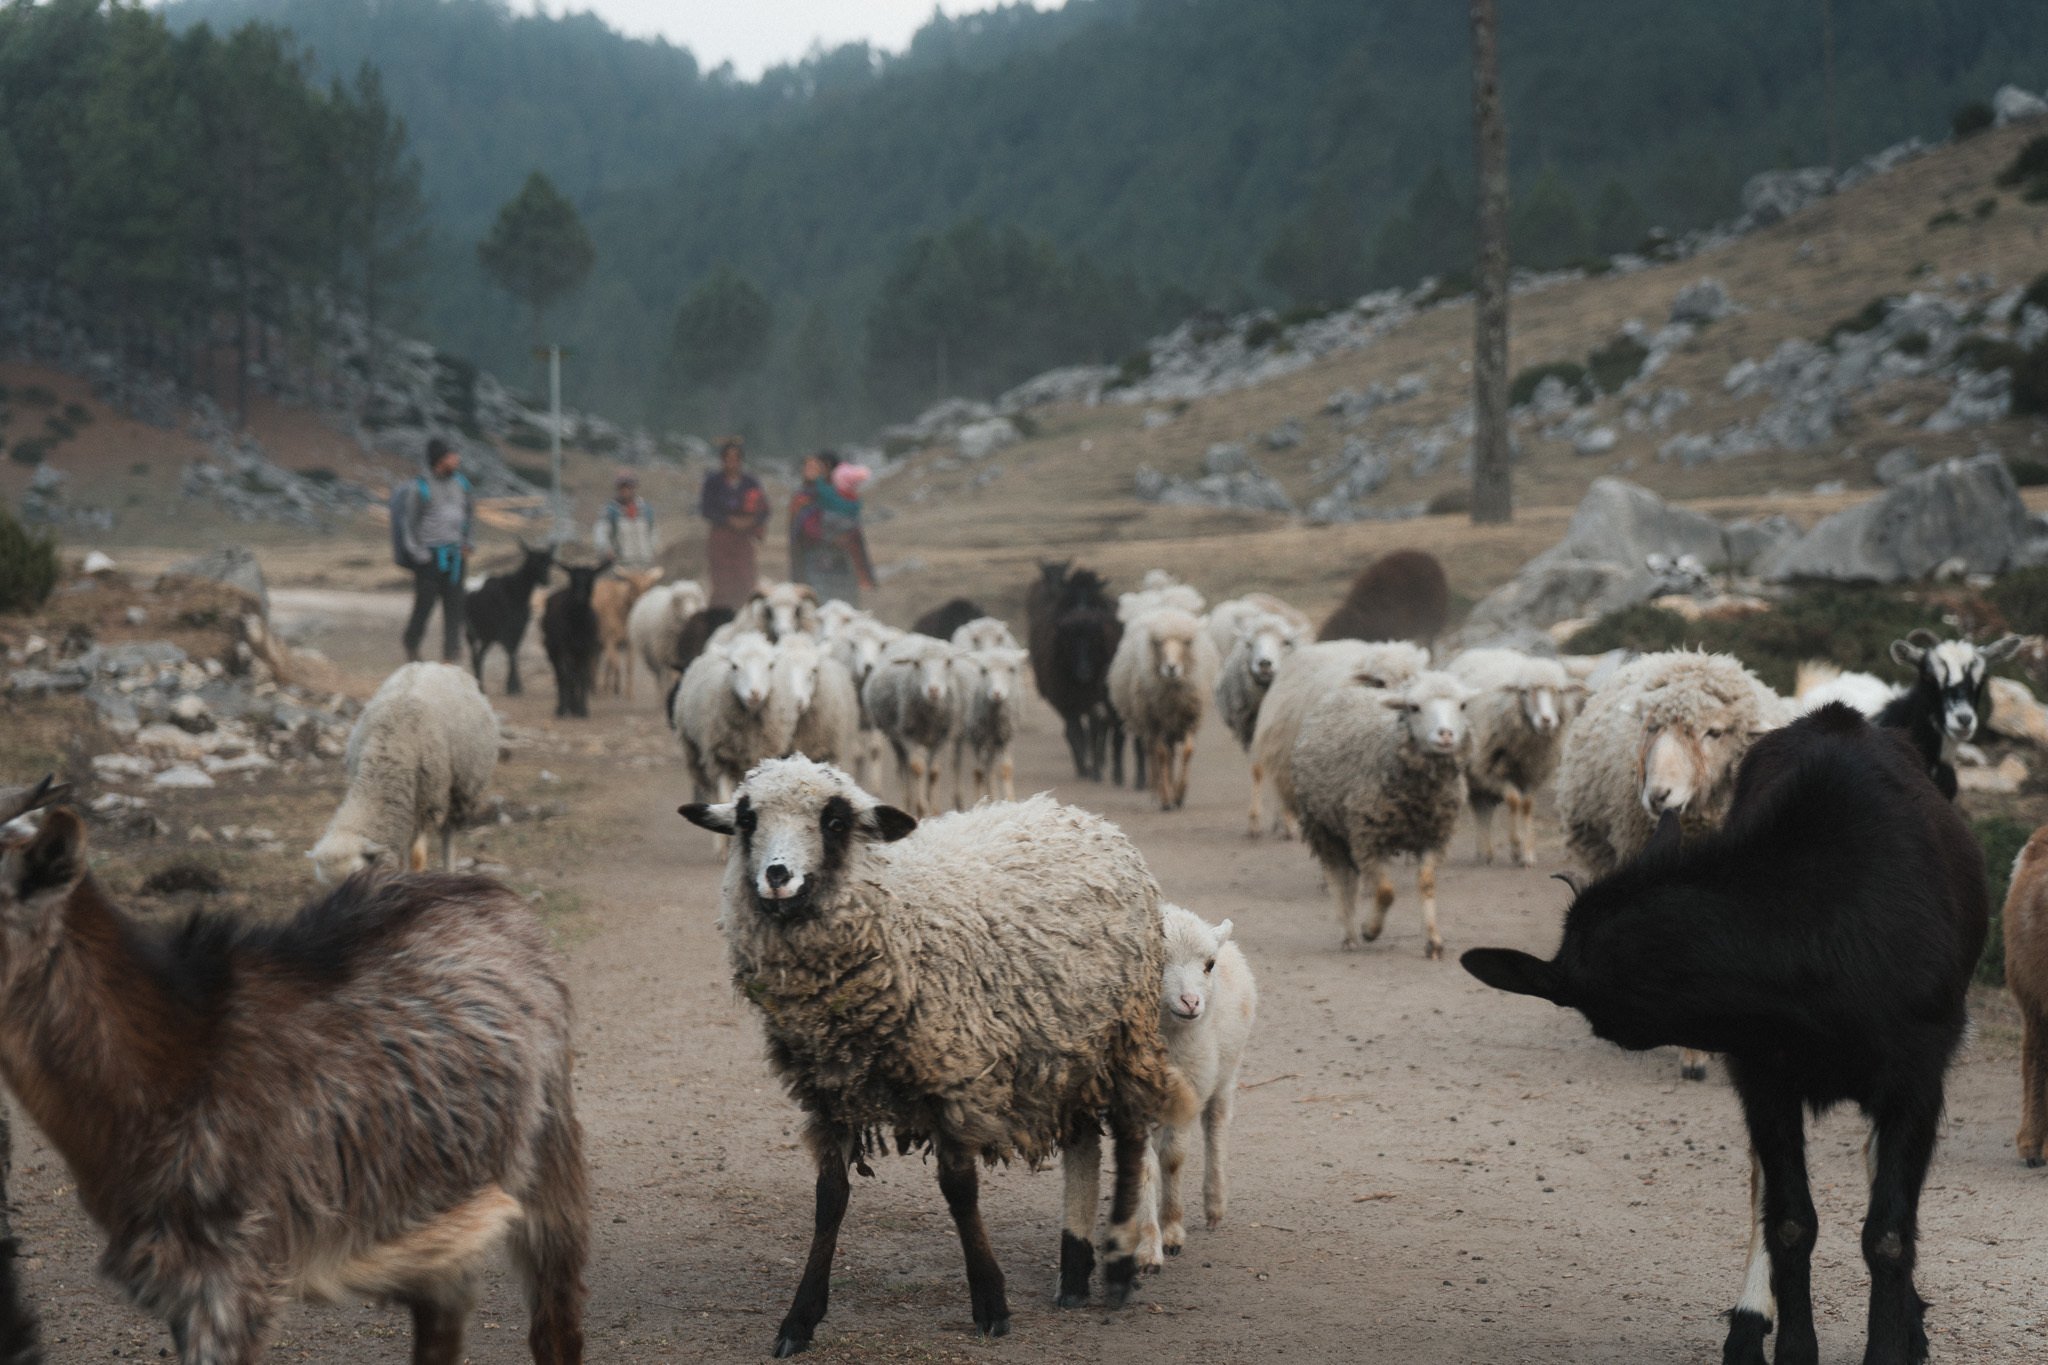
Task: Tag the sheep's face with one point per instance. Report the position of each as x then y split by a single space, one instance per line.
750 660
834 617
1542 708
796 670
1191 948
997 674
860 650
1268 645
337 857
984 632
1958 673
1434 716
789 609
1685 766
796 825
536 565
932 672
1172 656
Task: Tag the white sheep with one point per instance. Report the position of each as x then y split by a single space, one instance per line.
984 632
419 758
1818 682
1226 620
1517 717
1158 594
655 624
1207 1008
778 609
729 715
989 690
1303 679
822 697
1380 772
910 698
836 615
1251 660
1159 682
857 642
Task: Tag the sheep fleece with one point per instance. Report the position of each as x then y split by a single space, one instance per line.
1364 791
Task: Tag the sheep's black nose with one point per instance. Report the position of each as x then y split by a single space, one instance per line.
776 875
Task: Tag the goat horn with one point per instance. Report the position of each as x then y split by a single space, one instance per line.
1570 879
21 800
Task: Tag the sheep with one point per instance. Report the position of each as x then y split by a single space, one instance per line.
1208 1005
778 609
1818 682
821 696
940 622
1400 596
1377 773
984 632
988 688
836 615
1158 596
654 627
911 698
1823 940
569 629
1517 718
1251 659
1304 678
1948 699
1074 634
1012 1022
370 1097
1227 620
729 715
419 759
1159 683
613 599
497 612
2026 972
702 627
858 644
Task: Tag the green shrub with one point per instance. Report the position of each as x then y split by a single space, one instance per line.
58 428
1573 375
1452 502
139 470
1263 332
1455 285
32 451
2022 599
2028 473
1306 312
320 474
1642 627
1136 369
2030 164
28 566
527 437
1868 318
1614 364
2002 837
1946 218
1971 119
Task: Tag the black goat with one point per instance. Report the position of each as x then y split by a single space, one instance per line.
1824 940
1074 633
940 622
568 627
497 612
1949 699
696 633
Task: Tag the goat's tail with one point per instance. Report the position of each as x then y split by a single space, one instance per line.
552 1244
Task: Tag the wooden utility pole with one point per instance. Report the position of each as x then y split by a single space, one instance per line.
1493 498
1827 70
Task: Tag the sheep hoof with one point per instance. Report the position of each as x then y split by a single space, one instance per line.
994 1327
2035 1163
1745 1342
1118 1279
1435 952
1070 1299
788 1345
1525 859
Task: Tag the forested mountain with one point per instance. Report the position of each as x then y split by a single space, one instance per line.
1145 151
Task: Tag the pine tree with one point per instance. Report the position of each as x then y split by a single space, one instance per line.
721 335
1547 229
1318 258
384 226
538 250
1619 223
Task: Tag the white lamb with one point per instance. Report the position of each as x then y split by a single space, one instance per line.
419 759
1379 773
1517 718
1308 675
729 715
989 690
1159 682
910 698
1207 1009
984 632
821 694
655 624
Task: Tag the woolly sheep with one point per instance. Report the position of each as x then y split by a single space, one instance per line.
989 690
1158 596
728 713
1517 717
778 609
1251 660
655 626
1305 678
1159 683
857 643
910 696
418 760
1011 1022
984 632
1207 1008
1377 773
1227 620
836 615
820 693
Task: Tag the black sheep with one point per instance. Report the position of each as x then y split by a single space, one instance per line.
1824 940
1399 596
1950 697
690 641
1074 633
497 613
941 622
568 627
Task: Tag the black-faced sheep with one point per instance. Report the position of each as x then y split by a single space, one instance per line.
497 612
568 627
1207 1008
2026 973
1308 675
988 687
1824 941
911 697
1159 683
1014 1023
419 759
1379 773
1949 697
372 1097
1400 596
1517 714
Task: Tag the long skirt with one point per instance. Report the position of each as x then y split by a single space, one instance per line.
734 569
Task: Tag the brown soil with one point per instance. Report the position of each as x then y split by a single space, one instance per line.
1425 1170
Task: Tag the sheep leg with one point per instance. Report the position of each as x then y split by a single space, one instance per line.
437 1325
1482 823
511 670
1382 897
2033 1138
1006 769
1754 1313
1120 1242
1777 1130
1522 826
1081 1164
912 768
807 1310
1216 1150
961 1184
1151 1254
551 1245
448 848
1187 768
1171 1147
1904 1144
1255 825
417 860
1344 882
1078 748
930 800
959 773
1162 772
216 1317
1425 887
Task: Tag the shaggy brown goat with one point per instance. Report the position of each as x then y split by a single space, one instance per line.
20 1342
1400 596
369 1098
2026 971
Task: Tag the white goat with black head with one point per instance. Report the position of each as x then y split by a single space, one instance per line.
1949 698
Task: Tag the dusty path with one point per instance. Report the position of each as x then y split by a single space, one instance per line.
1425 1170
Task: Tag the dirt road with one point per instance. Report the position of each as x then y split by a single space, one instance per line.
1424 1171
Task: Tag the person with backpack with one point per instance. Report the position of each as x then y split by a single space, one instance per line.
625 529
431 517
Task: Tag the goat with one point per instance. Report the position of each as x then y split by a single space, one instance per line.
1824 940
941 621
368 1098
20 1339
1073 634
568 627
1949 697
1400 596
497 612
612 599
2026 972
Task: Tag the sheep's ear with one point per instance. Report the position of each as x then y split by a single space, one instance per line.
52 862
1397 703
889 824
1669 838
717 819
1907 653
1223 932
1505 969
2000 650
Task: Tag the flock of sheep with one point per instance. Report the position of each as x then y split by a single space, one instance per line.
1065 998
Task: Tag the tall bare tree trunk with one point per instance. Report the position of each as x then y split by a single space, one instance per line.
1827 61
1492 480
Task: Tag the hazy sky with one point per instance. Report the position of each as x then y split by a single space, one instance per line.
755 34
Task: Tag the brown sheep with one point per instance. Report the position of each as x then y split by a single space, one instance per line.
2026 971
1400 596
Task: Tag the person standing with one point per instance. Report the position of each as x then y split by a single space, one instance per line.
827 549
431 520
737 508
625 529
